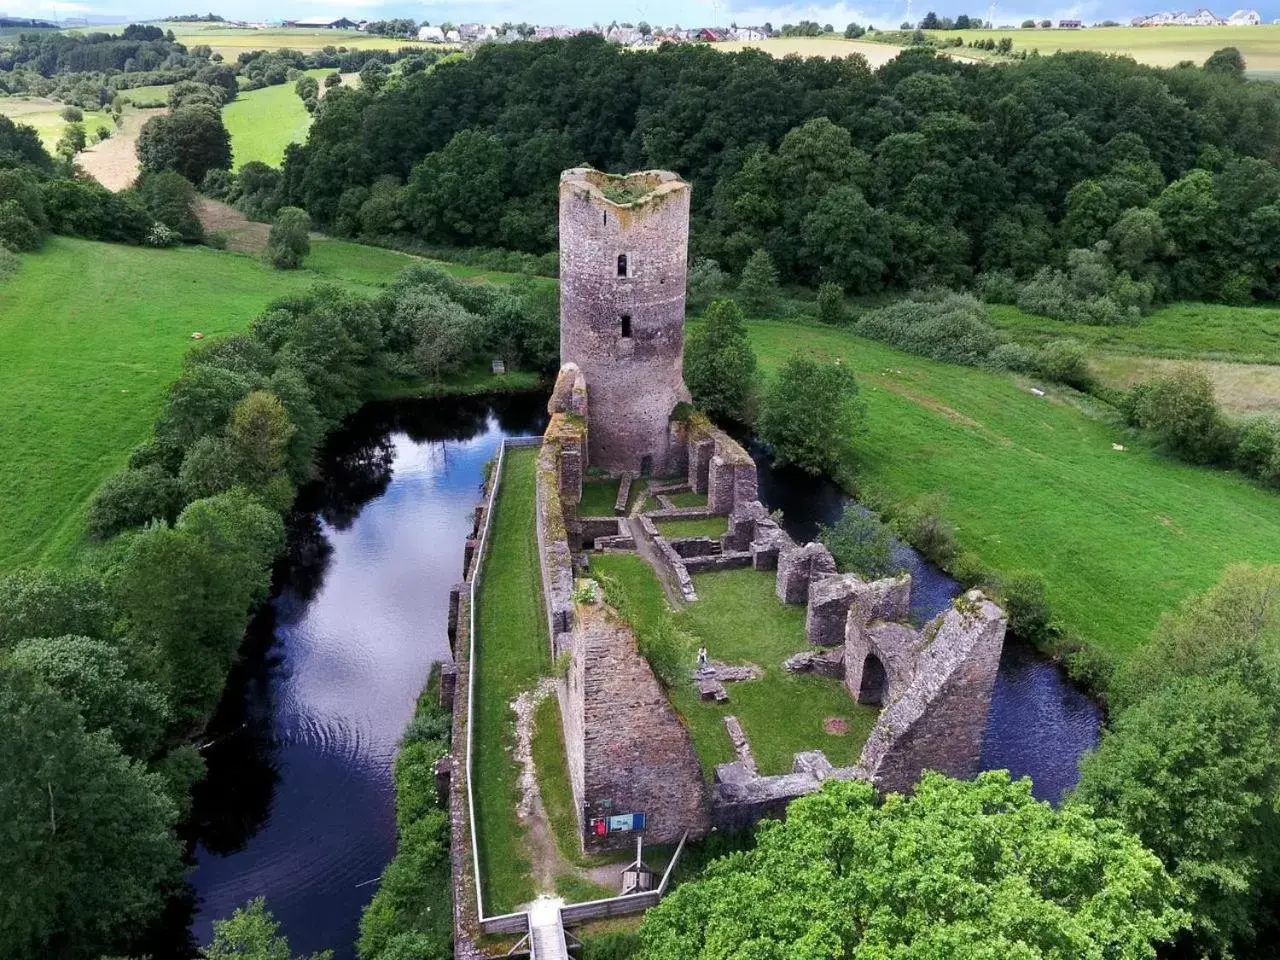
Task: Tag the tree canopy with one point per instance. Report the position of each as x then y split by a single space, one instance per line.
961 869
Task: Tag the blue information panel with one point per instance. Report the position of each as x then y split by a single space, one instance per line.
625 823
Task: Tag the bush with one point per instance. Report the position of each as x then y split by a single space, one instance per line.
71 114
810 414
617 945
414 896
831 304
289 241
9 263
1180 409
332 79
172 200
130 499
1258 449
1026 601
998 287
705 282
1014 357
1064 361
217 184
1090 291
191 140
934 323
920 524
860 543
17 233
162 236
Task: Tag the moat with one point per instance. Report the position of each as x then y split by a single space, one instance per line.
298 804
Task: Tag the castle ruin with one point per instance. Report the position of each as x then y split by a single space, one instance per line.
620 405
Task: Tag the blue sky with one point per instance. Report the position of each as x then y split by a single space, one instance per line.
582 12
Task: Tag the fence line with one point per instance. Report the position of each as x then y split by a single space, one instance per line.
577 912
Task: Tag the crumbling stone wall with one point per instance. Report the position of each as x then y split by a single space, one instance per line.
622 283
831 598
937 722
798 567
636 754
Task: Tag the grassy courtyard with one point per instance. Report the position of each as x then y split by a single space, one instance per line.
1033 483
739 619
693 527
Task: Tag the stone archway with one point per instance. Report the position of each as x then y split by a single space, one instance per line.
873 688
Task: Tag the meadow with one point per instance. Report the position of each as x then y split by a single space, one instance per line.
1034 483
91 336
1237 347
46 117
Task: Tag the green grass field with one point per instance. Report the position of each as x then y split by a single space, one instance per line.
510 651
263 122
149 94
739 619
693 527
1033 483
45 116
91 335
1238 348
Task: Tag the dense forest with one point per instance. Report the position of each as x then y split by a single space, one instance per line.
926 170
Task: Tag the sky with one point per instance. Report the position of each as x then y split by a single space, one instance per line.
584 12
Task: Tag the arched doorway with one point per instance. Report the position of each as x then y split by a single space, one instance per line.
875 684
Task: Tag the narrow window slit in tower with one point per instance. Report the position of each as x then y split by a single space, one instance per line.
622 264
604 218
626 326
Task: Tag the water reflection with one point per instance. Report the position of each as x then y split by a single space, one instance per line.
1039 725
298 803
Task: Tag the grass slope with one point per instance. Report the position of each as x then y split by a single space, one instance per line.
231 41
263 122
45 116
91 335
1033 483
510 651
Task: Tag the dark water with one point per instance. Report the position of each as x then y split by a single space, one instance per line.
1039 725
298 804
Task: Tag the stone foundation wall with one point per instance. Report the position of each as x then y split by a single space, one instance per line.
831 598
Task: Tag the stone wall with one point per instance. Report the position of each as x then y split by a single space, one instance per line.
831 598
622 320
798 567
637 755
937 721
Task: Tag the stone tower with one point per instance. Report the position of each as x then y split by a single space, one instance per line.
623 244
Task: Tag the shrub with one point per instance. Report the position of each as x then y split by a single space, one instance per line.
831 303
172 200
810 414
414 896
1236 290
1180 409
18 186
1090 291
920 523
17 233
162 236
616 945
998 286
71 114
1015 357
102 133
9 263
1064 361
289 241
860 543
131 498
217 184
1258 449
705 282
1026 601
934 323
73 140
51 603
191 140
332 79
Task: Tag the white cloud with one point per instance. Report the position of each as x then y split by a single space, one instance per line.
48 8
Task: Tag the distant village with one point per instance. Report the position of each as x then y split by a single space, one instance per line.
624 33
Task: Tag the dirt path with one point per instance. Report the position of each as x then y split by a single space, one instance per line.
242 234
114 161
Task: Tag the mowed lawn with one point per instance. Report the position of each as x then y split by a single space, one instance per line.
1033 483
91 335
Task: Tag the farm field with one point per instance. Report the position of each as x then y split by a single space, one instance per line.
1238 347
263 122
91 334
231 41
1158 46
46 117
1034 484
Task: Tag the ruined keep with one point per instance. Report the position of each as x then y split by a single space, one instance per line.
623 247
